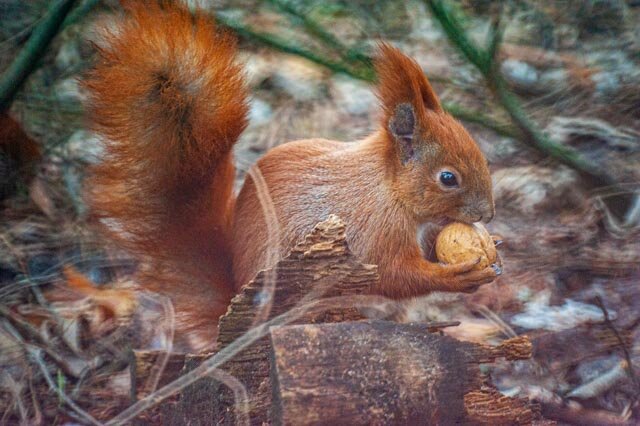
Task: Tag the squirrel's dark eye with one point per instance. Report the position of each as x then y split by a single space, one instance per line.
448 179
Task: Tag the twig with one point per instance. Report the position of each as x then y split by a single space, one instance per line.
632 218
158 369
623 345
581 416
494 318
79 12
438 326
36 354
274 234
25 63
485 60
471 116
38 417
276 42
321 33
600 384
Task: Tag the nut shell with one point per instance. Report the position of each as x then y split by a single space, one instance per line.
461 242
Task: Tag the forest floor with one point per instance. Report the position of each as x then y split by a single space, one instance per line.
571 254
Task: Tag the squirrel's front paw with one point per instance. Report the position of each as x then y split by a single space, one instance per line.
464 278
471 281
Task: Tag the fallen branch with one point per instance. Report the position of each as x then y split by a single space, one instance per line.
319 267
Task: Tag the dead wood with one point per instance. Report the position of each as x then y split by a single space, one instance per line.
321 266
383 372
322 372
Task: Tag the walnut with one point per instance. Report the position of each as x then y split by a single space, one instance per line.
460 242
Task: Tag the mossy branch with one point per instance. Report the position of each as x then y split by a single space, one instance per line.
354 63
346 53
26 60
273 41
472 116
485 60
79 12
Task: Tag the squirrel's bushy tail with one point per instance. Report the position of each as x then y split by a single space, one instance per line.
168 98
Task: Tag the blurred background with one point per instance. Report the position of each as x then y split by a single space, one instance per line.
550 90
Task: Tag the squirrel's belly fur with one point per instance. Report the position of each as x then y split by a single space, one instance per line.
169 99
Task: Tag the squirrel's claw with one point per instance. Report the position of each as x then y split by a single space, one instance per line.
497 240
471 281
497 268
462 277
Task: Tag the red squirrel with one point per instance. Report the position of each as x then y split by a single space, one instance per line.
169 99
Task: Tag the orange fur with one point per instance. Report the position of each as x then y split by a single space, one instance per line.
168 98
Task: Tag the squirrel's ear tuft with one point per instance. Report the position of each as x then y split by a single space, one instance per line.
401 80
405 95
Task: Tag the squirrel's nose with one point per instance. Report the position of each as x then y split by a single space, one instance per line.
486 218
482 211
488 214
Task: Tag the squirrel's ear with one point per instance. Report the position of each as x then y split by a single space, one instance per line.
402 126
401 80
405 95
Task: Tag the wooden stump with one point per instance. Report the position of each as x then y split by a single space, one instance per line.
321 266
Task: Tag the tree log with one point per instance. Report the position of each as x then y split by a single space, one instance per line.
319 267
383 372
354 372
